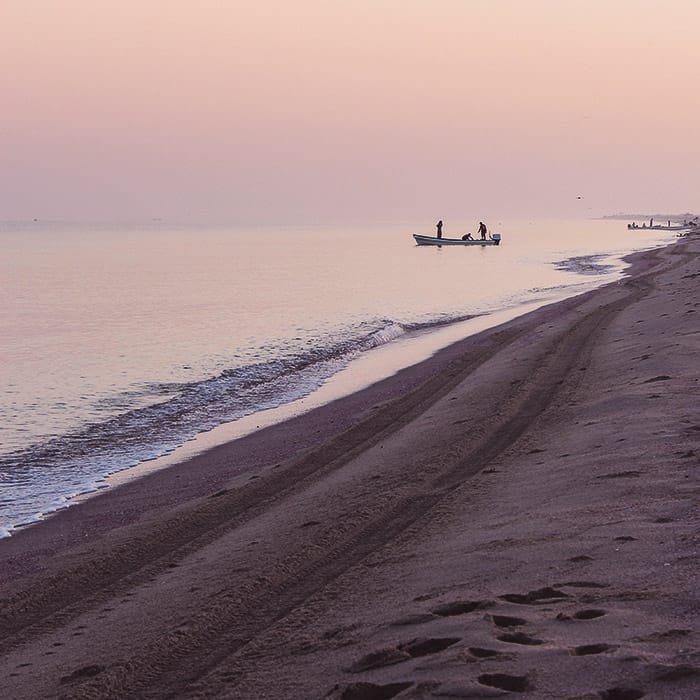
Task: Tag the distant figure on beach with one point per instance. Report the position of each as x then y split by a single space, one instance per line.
651 222
482 230
439 229
467 237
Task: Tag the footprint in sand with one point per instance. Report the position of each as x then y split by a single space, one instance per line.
541 595
460 607
519 638
589 649
417 619
403 652
504 681
84 672
482 653
367 691
618 693
507 621
677 673
379 659
589 614
424 647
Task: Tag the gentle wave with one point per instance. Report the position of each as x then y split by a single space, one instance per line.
384 335
47 474
439 322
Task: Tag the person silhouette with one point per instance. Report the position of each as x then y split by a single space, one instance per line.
439 229
482 230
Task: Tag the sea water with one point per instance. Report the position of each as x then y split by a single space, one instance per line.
120 343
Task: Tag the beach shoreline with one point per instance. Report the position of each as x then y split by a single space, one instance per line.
106 394
350 404
412 347
306 558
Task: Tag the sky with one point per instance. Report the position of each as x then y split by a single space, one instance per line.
315 111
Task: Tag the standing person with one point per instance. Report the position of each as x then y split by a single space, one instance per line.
482 230
439 229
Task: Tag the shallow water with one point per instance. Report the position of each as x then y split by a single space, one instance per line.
120 343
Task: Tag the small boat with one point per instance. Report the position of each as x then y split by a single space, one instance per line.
494 239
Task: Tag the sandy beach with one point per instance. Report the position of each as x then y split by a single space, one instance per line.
515 516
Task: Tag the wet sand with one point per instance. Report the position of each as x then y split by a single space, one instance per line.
516 515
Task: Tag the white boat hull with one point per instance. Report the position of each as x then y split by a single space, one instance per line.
434 240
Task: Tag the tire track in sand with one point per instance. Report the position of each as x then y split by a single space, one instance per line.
202 677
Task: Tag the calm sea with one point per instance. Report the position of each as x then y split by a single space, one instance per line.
120 343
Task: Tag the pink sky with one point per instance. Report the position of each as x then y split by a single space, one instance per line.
335 111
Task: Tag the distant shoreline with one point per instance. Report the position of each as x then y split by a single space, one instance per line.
659 217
